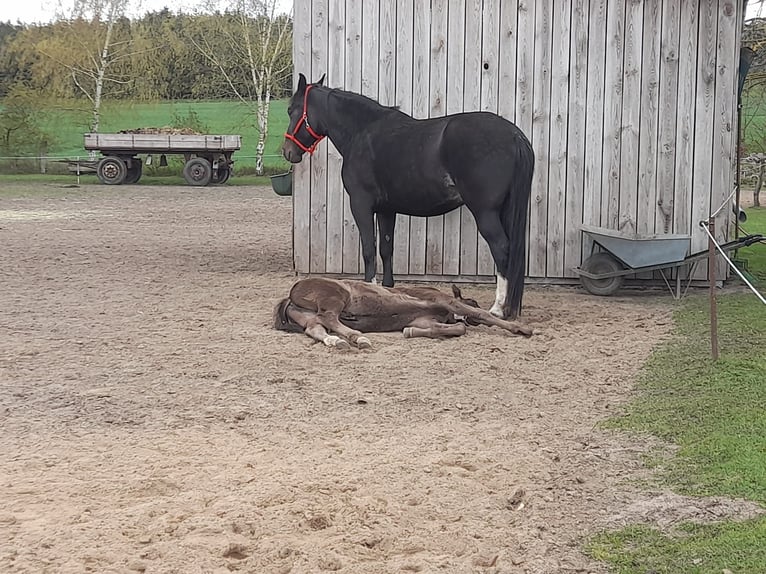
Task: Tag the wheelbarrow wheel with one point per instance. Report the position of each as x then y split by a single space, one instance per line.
601 263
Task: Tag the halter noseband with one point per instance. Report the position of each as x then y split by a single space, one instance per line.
305 121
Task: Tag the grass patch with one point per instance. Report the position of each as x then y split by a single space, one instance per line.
755 254
68 123
715 413
10 185
697 549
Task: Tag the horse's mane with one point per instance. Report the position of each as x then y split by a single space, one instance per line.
366 103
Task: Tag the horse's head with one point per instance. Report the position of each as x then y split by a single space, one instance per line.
301 137
458 294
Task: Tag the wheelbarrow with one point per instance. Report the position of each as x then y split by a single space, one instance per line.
622 254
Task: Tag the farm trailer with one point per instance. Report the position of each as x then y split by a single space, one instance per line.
207 158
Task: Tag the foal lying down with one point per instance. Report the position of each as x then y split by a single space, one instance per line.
337 312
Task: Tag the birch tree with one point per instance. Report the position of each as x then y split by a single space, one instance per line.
257 39
89 47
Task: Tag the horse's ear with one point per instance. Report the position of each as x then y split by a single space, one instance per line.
456 292
321 80
301 82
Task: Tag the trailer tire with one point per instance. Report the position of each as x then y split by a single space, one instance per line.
602 262
222 175
111 170
134 171
198 171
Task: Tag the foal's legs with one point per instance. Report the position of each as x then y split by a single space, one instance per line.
312 326
433 329
386 223
331 321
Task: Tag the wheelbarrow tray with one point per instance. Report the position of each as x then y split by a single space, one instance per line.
636 251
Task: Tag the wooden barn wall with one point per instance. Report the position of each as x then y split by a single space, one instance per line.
630 106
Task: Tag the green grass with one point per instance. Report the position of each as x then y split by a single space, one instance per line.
715 413
7 187
697 549
756 254
68 125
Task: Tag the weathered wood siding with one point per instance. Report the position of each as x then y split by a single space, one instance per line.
630 106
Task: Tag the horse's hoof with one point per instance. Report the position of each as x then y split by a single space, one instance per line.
497 311
363 343
342 345
407 332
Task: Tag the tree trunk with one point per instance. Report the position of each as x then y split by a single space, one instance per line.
263 131
759 184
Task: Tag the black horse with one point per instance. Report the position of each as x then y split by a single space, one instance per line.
393 163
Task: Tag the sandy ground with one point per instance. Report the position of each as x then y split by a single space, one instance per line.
151 420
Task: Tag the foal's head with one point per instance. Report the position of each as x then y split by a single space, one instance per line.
301 135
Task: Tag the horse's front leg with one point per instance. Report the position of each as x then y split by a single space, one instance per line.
386 223
363 215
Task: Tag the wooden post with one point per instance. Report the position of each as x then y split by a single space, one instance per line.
711 277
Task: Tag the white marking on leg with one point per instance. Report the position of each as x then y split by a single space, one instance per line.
336 342
374 280
500 293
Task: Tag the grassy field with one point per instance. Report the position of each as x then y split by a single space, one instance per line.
715 413
221 117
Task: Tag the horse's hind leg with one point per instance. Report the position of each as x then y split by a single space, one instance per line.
386 224
491 229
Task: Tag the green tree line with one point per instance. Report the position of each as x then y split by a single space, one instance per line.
161 56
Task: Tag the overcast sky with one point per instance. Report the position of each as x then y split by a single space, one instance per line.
40 11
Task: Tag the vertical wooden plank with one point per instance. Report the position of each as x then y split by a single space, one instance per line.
455 69
575 174
631 116
471 102
702 188
387 69
725 141
615 47
559 146
353 82
525 74
370 65
541 102
301 171
594 120
490 45
403 93
437 107
687 80
648 130
335 191
421 61
666 145
318 232
506 105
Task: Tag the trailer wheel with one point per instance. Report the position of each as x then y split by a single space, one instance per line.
134 171
198 171
597 264
112 170
222 175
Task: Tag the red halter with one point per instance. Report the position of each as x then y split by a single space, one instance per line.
305 120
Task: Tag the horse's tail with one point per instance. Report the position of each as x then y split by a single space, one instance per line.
282 321
515 220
